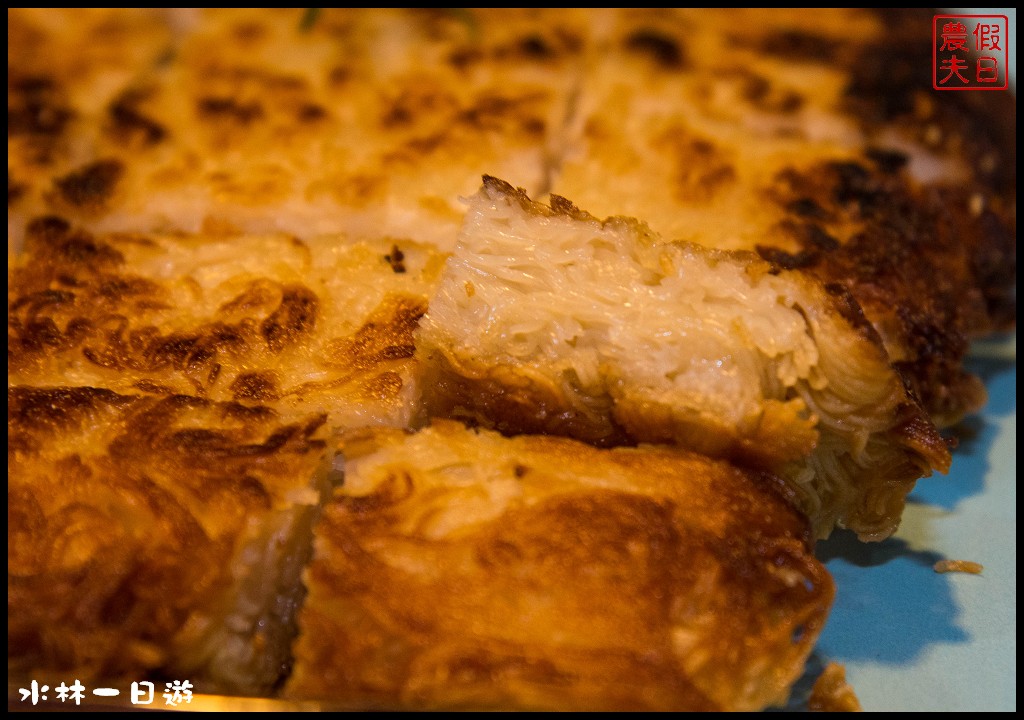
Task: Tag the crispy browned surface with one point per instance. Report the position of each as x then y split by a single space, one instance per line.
913 259
64 67
177 143
549 320
376 122
816 139
324 325
136 525
460 569
369 121
150 370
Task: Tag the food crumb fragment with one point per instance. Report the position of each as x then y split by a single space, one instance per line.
964 566
396 258
831 693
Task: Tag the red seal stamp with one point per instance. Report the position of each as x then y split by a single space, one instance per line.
970 52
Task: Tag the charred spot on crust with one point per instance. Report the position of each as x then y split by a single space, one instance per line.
807 207
409 104
110 341
14 189
33 336
535 46
564 206
800 45
52 237
539 48
493 112
259 294
387 335
259 386
994 264
700 167
788 102
57 408
888 161
293 318
148 386
339 75
667 52
121 289
36 301
532 47
194 433
463 57
311 113
816 236
396 259
253 493
35 107
787 260
812 238
855 185
850 309
754 87
760 92
48 230
887 75
128 123
83 248
220 108
927 272
91 186
249 32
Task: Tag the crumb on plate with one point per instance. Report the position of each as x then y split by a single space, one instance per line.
964 566
831 693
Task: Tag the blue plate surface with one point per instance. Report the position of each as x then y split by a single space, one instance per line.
911 638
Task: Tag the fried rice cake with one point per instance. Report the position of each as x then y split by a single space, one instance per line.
811 137
155 536
366 121
458 569
224 226
169 400
323 325
814 138
548 320
65 67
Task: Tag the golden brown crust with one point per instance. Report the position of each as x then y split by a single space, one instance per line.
133 524
624 110
166 414
307 326
140 139
556 337
459 569
815 138
910 258
511 403
370 120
